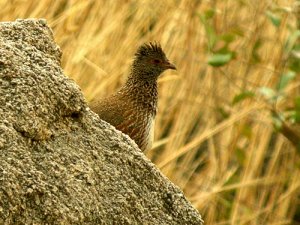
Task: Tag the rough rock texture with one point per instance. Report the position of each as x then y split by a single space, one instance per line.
59 163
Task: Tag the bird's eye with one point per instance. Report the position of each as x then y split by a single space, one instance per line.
156 61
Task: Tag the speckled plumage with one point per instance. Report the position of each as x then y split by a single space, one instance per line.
133 108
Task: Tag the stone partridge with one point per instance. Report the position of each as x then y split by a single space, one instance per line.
132 109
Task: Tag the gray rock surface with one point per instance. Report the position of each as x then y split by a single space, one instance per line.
59 163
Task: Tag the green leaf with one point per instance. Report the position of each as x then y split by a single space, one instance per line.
296 116
211 36
276 20
205 18
294 59
209 13
223 112
247 131
228 37
240 155
219 59
278 118
240 97
268 93
255 51
291 41
285 79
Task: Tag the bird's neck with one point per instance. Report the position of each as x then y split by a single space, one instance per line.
142 91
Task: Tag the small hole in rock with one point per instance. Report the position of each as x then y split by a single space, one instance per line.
75 115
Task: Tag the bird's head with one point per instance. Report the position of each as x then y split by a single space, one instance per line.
150 61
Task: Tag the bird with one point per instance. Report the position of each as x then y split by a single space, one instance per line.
132 109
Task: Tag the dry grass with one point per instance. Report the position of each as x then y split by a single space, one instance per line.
227 158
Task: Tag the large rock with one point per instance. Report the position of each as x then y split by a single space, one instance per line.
59 163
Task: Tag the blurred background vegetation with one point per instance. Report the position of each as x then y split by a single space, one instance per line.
227 130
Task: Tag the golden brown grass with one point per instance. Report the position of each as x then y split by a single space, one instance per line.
231 164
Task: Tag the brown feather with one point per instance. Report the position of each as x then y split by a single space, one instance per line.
133 108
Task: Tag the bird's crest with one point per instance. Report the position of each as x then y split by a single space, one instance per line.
150 48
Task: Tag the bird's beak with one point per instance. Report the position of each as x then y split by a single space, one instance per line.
169 65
